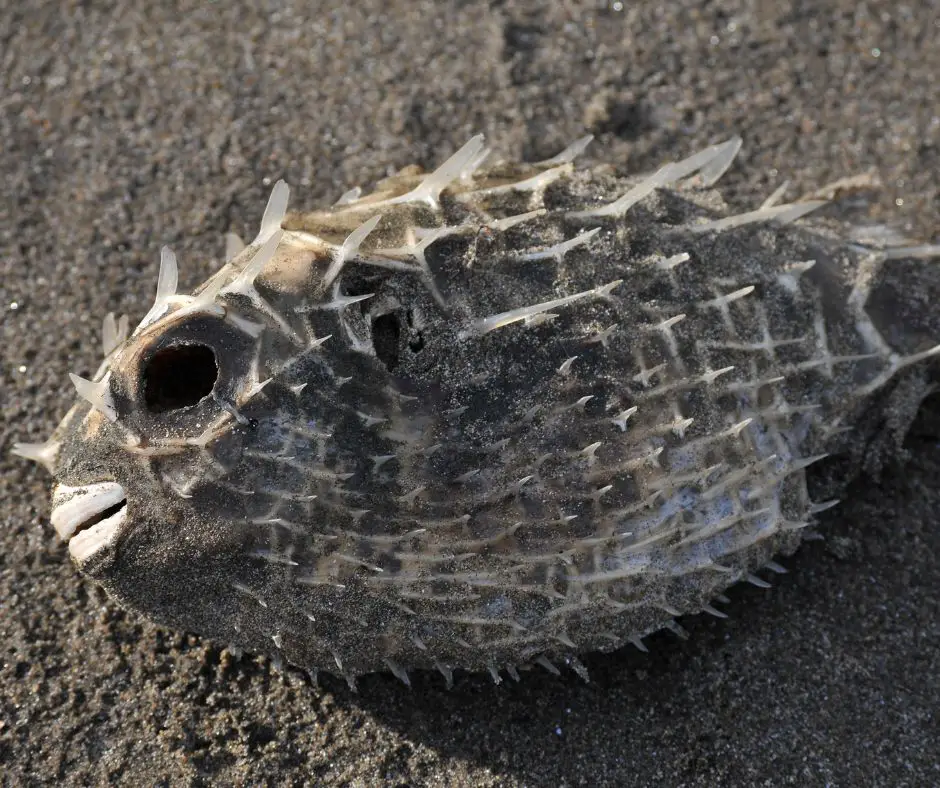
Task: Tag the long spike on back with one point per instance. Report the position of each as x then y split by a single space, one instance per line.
113 333
670 173
474 164
123 328
349 249
534 183
168 278
725 154
233 245
570 153
244 282
274 211
167 281
429 190
109 334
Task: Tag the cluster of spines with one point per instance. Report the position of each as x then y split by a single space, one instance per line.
707 165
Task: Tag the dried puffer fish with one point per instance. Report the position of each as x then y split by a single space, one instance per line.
482 418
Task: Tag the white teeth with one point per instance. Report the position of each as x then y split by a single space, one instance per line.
91 540
72 507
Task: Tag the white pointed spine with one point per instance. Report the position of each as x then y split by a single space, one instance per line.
781 213
570 153
666 175
776 196
724 300
349 249
349 196
790 278
924 251
167 281
502 319
719 164
511 221
620 420
337 303
113 333
468 228
98 395
249 327
274 212
534 184
916 358
234 245
668 263
429 190
559 250
44 453
244 283
108 334
469 171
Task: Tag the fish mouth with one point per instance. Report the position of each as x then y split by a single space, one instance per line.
88 517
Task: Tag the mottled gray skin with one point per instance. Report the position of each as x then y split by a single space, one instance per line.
485 499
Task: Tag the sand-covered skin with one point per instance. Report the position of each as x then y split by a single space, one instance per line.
123 131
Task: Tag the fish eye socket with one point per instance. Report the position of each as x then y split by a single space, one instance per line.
178 376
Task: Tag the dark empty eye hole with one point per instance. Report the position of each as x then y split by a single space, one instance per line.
178 376
385 334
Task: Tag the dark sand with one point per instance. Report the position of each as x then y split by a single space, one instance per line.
123 131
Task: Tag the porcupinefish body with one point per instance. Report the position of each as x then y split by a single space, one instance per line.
479 418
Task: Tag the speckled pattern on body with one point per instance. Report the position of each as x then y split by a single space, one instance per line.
827 678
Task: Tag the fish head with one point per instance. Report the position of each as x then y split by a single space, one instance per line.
209 452
142 463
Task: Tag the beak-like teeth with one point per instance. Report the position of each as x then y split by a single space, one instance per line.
77 515
88 542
